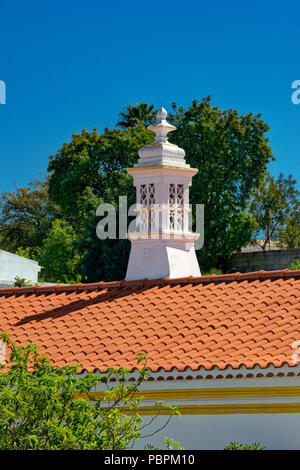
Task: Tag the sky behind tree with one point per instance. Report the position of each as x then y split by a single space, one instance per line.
69 65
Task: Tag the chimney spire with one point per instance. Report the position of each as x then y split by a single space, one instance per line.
162 245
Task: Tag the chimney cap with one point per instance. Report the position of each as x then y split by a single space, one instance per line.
161 151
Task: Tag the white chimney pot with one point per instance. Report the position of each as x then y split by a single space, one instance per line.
162 245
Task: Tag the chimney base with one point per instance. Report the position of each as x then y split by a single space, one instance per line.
168 258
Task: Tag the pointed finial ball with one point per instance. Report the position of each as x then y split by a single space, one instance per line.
161 114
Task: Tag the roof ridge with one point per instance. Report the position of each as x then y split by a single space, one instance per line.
212 278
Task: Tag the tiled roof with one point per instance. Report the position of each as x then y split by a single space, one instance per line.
234 320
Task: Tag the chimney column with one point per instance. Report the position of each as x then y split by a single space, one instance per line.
162 245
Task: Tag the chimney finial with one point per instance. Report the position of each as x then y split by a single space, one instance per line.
161 127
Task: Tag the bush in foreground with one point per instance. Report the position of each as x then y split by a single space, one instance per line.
43 406
243 446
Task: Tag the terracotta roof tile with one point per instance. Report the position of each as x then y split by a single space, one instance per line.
211 321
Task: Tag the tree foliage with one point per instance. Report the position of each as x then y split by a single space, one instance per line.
142 113
276 207
25 216
59 254
243 446
93 162
45 407
289 233
89 171
231 153
295 266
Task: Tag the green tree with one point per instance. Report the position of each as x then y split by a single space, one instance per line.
274 205
103 259
86 173
45 407
59 254
26 215
93 162
289 234
231 153
142 113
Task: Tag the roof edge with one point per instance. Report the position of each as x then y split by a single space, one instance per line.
213 278
201 373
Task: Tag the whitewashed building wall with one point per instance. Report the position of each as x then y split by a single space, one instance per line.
12 265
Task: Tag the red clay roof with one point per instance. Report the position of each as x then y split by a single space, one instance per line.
213 321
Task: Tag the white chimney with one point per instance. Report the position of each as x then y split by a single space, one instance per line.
161 244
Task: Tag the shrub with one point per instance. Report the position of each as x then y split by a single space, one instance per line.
295 266
43 406
243 446
22 282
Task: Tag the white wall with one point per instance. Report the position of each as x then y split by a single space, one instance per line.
272 431
12 265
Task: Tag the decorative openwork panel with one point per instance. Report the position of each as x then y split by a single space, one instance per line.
151 194
176 207
146 195
143 195
145 201
180 195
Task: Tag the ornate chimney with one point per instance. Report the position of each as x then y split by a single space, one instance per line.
162 245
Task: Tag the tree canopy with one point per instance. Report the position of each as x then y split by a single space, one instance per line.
93 164
231 153
25 216
135 115
276 207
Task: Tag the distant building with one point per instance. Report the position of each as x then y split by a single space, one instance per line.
253 257
12 265
258 246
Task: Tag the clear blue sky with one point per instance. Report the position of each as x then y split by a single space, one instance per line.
74 64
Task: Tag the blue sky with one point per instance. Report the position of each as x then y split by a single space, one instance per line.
70 65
